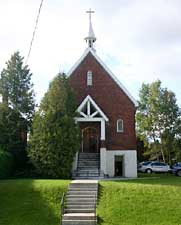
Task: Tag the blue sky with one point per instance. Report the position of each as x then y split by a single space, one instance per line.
139 40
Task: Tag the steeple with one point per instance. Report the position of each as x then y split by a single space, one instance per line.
90 39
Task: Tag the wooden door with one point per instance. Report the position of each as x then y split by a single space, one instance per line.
90 139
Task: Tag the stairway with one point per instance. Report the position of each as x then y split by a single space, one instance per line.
81 203
88 166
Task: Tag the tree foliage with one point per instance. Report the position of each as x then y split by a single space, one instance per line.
55 136
158 119
16 87
13 134
16 109
6 164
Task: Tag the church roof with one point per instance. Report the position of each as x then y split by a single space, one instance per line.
90 50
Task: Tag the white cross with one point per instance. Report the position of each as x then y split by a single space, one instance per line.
90 11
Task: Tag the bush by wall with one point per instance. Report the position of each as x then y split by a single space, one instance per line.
6 164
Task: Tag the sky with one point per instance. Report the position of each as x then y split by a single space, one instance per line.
139 40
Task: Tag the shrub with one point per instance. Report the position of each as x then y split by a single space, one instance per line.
6 164
55 139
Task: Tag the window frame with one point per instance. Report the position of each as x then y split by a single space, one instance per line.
89 78
117 126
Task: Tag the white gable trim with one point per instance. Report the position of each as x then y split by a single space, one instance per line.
87 101
108 71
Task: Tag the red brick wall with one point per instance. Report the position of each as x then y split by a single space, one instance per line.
110 98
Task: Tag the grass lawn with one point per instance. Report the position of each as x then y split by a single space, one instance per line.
152 201
155 201
31 202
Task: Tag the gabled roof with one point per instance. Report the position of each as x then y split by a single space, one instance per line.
90 50
87 102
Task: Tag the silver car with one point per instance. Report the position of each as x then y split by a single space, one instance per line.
149 167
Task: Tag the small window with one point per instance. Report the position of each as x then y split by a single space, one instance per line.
119 125
89 78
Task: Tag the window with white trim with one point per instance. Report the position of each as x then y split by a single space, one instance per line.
120 127
89 78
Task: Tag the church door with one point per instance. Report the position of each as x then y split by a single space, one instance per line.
90 139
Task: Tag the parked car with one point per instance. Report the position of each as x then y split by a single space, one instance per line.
139 165
149 167
176 169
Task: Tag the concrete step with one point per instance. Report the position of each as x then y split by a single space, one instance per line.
88 164
88 185
79 216
83 189
74 210
82 192
79 222
80 206
90 170
88 154
89 159
87 175
80 201
69 196
88 167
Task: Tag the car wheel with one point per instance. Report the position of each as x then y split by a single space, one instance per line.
179 173
149 171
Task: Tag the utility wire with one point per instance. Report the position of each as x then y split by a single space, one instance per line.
33 36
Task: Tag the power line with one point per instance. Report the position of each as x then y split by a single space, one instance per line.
33 36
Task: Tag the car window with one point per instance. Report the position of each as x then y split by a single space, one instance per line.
179 164
145 163
163 164
155 164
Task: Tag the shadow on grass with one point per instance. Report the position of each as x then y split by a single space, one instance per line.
100 195
30 202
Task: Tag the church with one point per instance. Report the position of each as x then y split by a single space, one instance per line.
106 117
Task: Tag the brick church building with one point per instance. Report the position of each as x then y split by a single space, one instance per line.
106 116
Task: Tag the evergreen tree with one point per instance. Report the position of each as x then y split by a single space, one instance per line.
17 108
55 136
12 134
16 87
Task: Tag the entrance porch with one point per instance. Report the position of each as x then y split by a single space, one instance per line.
93 159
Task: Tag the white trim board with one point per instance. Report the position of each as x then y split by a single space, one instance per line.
106 69
89 100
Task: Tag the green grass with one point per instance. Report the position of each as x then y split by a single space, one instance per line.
153 175
152 201
155 201
31 202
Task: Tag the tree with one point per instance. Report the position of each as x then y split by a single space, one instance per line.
158 118
16 87
55 136
16 109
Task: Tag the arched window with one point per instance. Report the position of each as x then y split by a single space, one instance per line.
120 127
89 78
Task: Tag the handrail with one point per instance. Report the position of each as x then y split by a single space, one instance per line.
95 204
62 207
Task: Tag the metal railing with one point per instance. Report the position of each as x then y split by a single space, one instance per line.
62 207
95 206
